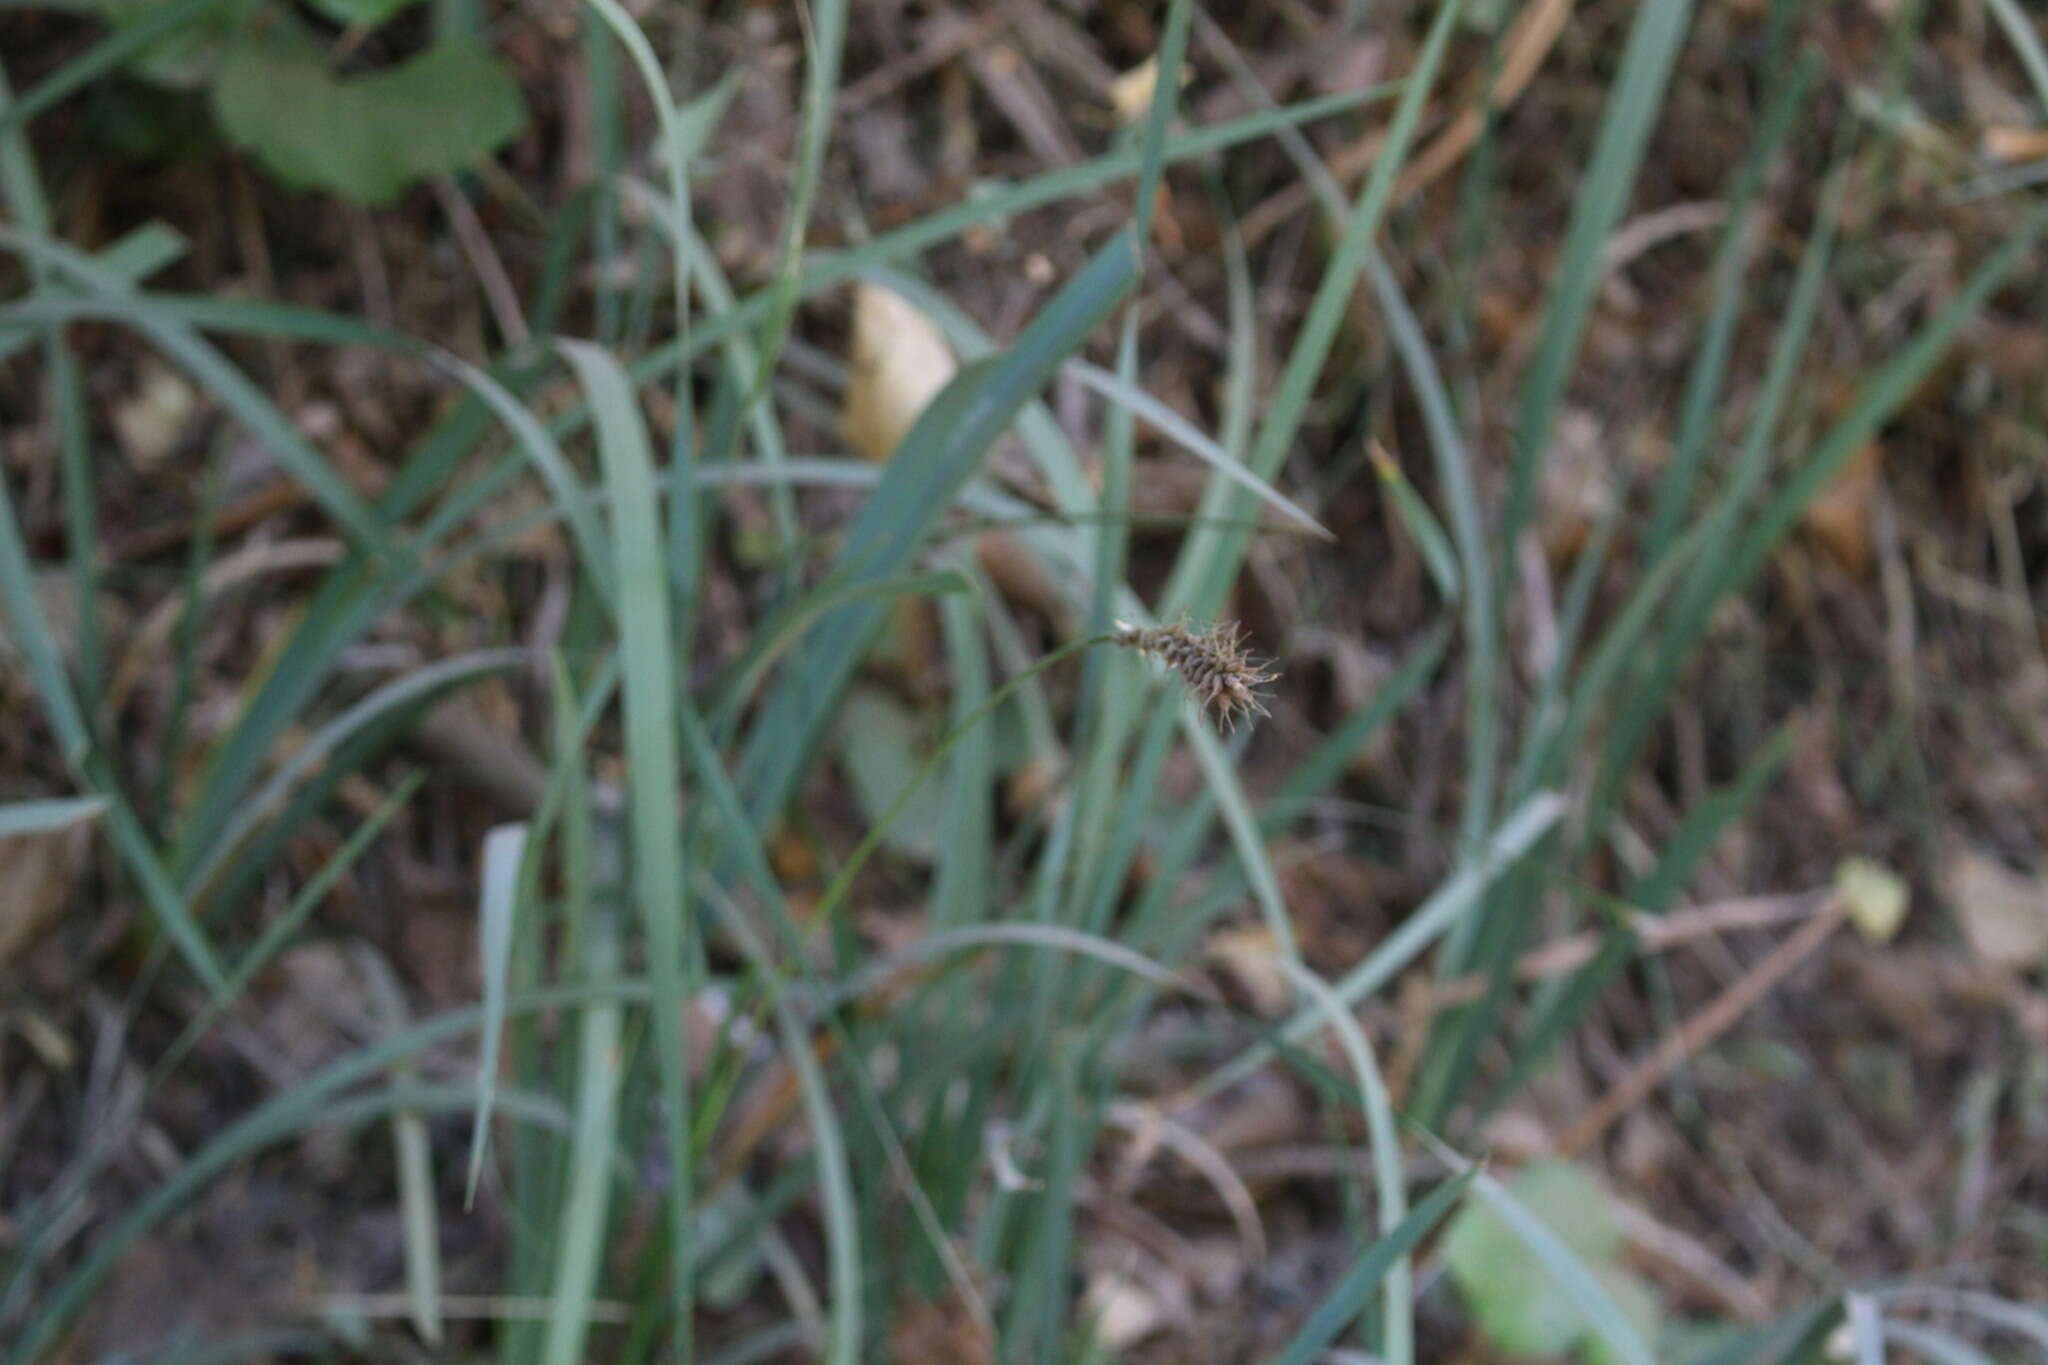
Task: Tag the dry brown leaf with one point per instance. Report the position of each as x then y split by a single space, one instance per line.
1248 957
2004 914
899 361
2016 144
939 1329
1839 517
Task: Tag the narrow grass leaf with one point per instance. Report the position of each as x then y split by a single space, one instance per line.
38 644
780 633
1701 406
408 689
419 1227
1468 528
1166 74
1219 775
1190 438
942 450
1529 823
1631 114
127 41
1208 561
1875 404
824 45
280 931
39 817
579 1227
1422 526
1368 1272
835 1181
2026 44
497 914
213 371
1389 1174
648 663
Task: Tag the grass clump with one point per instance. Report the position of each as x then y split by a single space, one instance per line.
734 1102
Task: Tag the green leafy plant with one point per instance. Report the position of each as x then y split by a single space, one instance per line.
1509 1283
277 88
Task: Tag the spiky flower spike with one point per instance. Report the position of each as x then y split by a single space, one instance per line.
1213 663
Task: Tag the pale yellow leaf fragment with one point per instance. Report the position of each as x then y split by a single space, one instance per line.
1875 895
899 361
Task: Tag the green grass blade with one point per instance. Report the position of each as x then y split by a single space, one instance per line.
961 883
1520 832
1422 526
648 662
1631 113
1704 825
1166 71
1219 775
1879 398
835 1182
214 372
41 817
497 914
780 633
38 644
280 931
2026 44
1367 1273
1209 559
1190 438
419 1224
579 1230
1468 528
1688 618
550 464
1701 406
824 45
126 42
406 690
1389 1177
941 451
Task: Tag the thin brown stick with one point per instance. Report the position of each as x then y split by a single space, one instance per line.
1654 934
1704 1027
483 259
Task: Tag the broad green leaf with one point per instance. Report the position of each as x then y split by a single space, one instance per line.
366 137
1511 1292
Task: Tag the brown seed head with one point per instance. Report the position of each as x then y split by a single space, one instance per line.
1213 663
